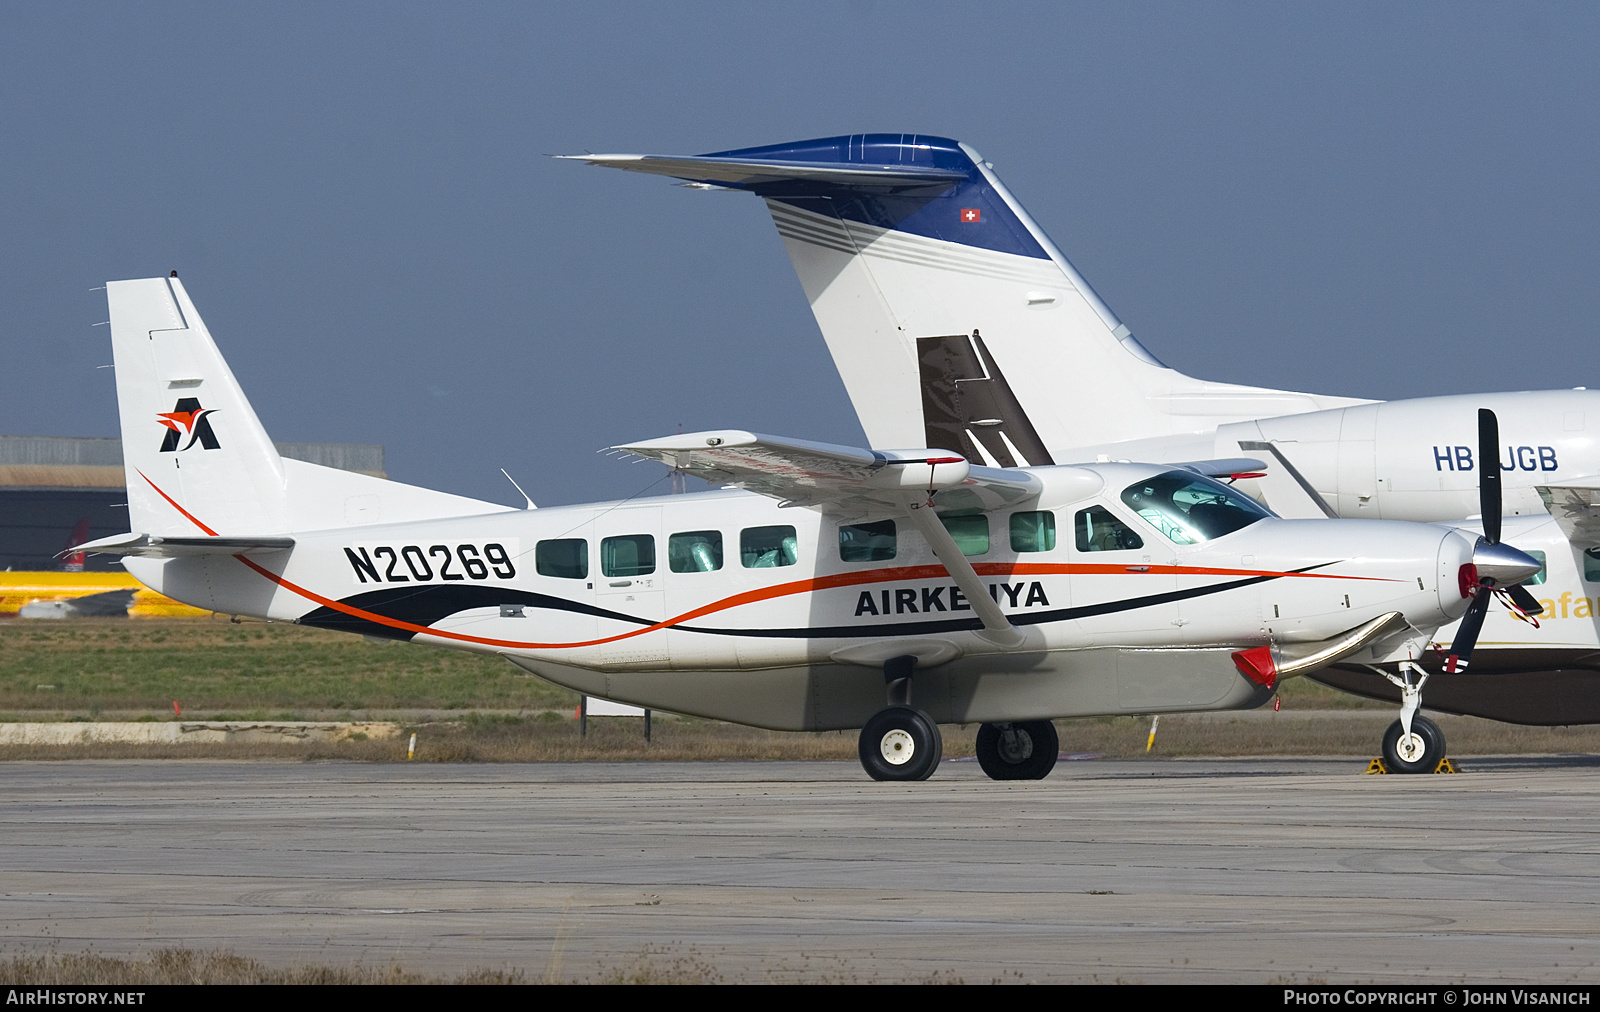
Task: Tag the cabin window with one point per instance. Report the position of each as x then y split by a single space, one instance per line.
1033 532
1188 509
1538 578
1098 530
969 530
867 542
567 558
695 552
628 555
1591 565
768 547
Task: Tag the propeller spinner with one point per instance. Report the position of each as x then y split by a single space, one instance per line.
1495 566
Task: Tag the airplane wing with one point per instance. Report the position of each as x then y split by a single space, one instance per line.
859 483
1576 508
837 479
1288 492
164 547
1225 467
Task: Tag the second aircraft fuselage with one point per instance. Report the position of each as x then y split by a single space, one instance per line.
1411 459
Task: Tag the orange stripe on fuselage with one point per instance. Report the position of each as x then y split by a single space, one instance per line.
807 586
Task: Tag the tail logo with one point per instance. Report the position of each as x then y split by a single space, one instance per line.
971 214
187 418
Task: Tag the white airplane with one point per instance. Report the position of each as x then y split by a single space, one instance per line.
955 321
831 588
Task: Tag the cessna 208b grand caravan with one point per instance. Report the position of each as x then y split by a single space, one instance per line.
832 588
955 321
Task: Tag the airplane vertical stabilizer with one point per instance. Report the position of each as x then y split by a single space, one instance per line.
196 457
191 443
947 308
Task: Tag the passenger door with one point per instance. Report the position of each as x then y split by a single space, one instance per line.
629 582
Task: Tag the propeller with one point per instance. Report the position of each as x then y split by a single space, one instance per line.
1495 567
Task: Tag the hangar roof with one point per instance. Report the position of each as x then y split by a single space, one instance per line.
79 462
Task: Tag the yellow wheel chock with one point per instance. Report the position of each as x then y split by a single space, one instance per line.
1377 766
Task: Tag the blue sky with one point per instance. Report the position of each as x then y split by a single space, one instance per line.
1381 200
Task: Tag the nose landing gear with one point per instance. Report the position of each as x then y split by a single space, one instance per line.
1412 744
1419 750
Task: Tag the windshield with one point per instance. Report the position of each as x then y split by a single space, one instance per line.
1189 509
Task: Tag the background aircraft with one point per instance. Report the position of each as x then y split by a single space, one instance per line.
835 588
955 321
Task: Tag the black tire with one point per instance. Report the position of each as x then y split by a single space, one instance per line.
900 743
1022 750
1432 740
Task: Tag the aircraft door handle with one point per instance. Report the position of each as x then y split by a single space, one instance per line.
620 583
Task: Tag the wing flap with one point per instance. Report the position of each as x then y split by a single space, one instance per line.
833 478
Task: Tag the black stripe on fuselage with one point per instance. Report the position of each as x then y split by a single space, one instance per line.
971 624
424 606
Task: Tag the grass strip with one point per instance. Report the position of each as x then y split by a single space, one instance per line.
88 666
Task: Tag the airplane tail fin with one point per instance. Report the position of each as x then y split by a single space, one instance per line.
194 452
951 316
196 457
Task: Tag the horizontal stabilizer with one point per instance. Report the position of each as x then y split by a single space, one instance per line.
1575 505
840 479
164 547
749 173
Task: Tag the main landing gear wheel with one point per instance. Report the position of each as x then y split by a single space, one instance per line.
1418 752
1021 750
900 743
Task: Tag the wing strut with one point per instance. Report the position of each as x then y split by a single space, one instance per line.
996 627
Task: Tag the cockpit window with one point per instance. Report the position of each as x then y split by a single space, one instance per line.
1098 531
1189 509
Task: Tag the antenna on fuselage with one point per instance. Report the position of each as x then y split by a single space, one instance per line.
514 485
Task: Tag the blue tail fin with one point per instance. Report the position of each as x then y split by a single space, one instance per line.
948 310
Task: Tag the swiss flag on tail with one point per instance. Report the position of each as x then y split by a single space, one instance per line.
971 214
